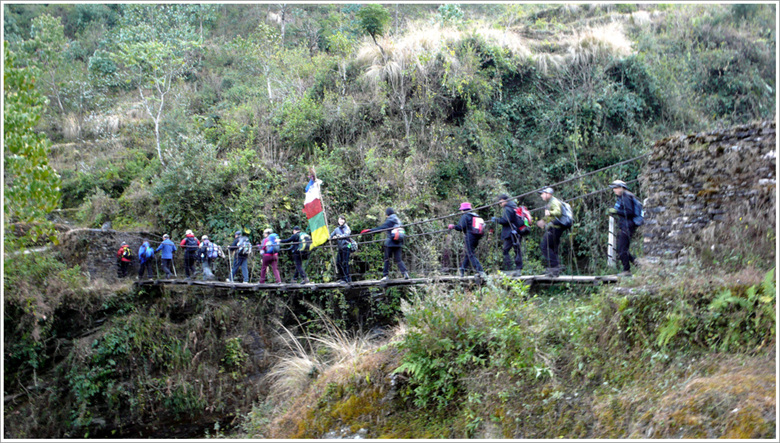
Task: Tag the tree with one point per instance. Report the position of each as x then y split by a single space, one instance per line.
373 20
47 46
156 46
32 187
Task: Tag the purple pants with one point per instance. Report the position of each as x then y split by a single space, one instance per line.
272 260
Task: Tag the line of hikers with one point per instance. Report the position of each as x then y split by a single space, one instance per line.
515 224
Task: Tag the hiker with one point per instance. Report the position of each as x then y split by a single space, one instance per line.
473 228
190 245
168 248
509 234
345 246
123 259
554 227
269 247
145 257
628 211
300 251
393 244
241 248
207 252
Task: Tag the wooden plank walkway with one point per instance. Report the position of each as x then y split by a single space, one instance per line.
529 279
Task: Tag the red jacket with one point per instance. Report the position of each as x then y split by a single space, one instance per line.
189 250
120 253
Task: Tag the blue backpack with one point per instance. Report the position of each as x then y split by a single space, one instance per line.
272 245
639 213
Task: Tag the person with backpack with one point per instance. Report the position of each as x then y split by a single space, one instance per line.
190 245
241 248
345 245
123 259
207 252
168 248
301 244
509 234
557 219
473 228
145 256
393 244
269 247
628 211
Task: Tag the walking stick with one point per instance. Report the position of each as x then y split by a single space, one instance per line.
252 269
230 264
173 264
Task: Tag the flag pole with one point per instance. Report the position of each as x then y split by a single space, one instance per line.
325 215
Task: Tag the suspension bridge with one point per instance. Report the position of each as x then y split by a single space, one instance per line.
364 284
435 277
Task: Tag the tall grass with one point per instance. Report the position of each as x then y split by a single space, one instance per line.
306 354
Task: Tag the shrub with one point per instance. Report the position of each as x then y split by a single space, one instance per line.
451 335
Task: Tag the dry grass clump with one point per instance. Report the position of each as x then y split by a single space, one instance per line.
580 48
584 48
598 43
308 355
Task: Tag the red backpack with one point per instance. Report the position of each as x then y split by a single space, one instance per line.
525 219
477 225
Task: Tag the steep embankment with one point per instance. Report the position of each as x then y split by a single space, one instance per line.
624 362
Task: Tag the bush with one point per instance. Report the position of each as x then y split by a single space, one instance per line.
452 335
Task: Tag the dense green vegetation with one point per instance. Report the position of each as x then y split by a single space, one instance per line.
207 117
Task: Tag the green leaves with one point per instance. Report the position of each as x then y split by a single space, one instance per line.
31 185
373 19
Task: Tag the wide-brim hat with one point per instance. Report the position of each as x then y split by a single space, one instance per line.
547 190
618 184
465 206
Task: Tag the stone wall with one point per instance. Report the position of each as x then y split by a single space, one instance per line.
95 250
710 193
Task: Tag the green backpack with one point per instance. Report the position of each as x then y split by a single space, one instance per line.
305 247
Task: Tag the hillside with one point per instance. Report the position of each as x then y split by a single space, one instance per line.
150 119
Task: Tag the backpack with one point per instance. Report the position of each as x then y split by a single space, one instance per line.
397 234
272 244
148 252
244 247
353 245
524 216
191 245
212 251
126 252
566 220
305 247
639 213
477 225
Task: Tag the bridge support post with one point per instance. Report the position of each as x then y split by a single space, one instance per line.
611 243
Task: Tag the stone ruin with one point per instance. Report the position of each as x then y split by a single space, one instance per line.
711 194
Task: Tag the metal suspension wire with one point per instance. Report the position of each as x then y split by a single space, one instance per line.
457 214
438 231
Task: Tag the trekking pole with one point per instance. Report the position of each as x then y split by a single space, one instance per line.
252 268
230 265
173 264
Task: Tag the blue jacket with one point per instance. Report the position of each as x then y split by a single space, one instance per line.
508 220
391 222
141 256
167 247
464 225
343 243
625 210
